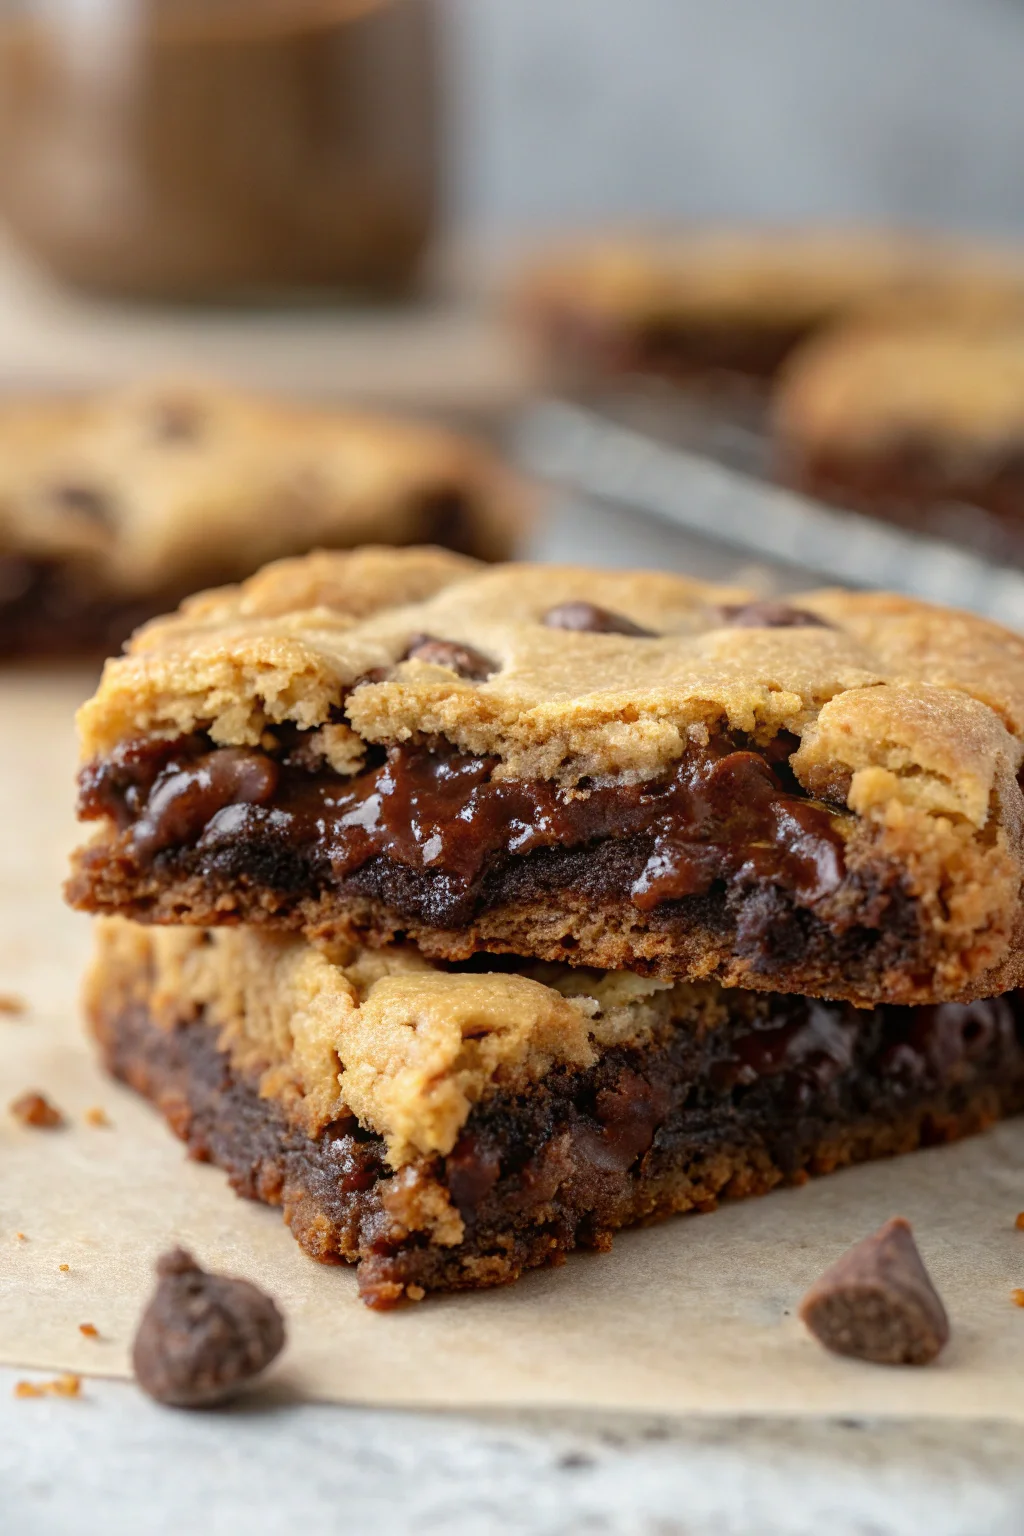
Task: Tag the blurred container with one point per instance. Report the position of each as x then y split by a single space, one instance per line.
220 148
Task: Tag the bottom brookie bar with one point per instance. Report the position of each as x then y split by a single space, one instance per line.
447 1128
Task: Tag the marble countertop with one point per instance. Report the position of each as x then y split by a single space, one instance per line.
111 1462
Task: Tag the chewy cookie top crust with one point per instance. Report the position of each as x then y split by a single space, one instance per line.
956 392
564 673
166 486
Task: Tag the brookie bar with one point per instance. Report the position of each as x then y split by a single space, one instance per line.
114 507
449 1128
706 304
622 770
923 424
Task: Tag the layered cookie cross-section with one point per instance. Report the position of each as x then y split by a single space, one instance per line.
629 771
449 1127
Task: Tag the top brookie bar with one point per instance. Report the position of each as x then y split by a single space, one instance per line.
622 770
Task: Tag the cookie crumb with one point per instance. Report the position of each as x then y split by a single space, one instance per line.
97 1117
1017 1297
61 1386
12 1005
88 1330
415 1292
64 1268
203 1336
878 1302
21 1237
35 1109
1019 1223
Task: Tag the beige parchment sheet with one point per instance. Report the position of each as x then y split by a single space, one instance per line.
697 1315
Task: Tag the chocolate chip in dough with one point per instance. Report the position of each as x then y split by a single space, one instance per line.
588 618
770 615
203 1336
86 501
178 420
470 664
878 1302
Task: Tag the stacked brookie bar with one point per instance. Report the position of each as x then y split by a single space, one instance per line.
487 911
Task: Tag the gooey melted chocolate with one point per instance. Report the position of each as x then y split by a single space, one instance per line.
724 813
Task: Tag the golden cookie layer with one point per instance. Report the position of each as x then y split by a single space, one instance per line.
889 683
769 276
956 391
383 1035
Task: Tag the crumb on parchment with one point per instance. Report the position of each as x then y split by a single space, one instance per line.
61 1386
97 1117
1017 1297
34 1109
88 1330
12 1005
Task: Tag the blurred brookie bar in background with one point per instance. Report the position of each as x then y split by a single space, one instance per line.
707 305
114 507
880 371
922 424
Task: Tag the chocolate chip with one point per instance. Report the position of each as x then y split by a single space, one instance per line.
629 1115
374 675
770 615
462 659
588 618
85 501
878 1302
203 1336
178 421
471 1170
185 799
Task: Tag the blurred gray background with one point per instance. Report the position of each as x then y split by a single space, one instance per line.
584 111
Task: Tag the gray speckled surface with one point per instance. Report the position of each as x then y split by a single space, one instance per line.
112 1463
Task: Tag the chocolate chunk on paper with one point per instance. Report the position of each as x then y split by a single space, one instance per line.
878 1302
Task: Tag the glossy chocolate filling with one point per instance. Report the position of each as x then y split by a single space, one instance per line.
724 814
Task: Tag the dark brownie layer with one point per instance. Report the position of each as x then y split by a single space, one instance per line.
584 347
46 610
724 868
914 483
786 1088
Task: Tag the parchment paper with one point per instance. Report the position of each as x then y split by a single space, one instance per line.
697 1315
